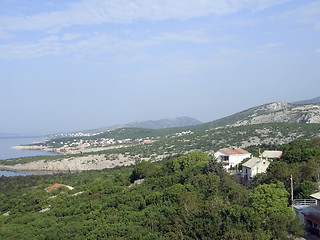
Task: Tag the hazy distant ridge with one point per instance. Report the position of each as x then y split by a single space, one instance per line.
154 124
309 101
273 123
150 124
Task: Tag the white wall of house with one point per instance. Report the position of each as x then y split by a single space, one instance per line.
254 166
251 172
218 155
220 158
234 159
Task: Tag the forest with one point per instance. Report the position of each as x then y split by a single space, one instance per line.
187 197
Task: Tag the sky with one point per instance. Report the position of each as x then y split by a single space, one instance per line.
70 65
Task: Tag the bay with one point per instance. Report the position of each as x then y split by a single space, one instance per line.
5 173
6 152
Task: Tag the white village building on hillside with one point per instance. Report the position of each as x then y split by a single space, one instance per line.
271 155
231 157
254 166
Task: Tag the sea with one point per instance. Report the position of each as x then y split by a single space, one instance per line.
6 152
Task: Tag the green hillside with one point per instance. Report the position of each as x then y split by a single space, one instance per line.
207 140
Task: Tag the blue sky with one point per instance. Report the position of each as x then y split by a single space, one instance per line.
73 65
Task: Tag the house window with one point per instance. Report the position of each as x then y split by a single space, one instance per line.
225 158
313 224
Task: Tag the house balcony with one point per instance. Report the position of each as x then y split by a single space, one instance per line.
304 202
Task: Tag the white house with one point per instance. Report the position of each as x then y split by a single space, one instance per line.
271 155
230 157
254 166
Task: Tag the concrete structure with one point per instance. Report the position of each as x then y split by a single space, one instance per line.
308 211
46 209
253 167
271 155
231 157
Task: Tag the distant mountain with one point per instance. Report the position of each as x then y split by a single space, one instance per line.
150 124
277 112
270 113
153 124
273 123
309 101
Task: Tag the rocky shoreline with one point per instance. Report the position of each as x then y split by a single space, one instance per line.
76 164
73 164
67 150
50 149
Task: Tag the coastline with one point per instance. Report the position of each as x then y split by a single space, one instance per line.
66 150
70 164
33 147
73 164
33 172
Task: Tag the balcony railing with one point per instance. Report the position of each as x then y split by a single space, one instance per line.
304 202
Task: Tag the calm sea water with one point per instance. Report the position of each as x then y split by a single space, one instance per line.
11 173
6 152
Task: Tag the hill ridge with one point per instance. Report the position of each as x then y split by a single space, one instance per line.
315 100
148 124
271 113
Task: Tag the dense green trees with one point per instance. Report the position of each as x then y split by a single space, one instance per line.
306 189
301 160
189 197
301 150
142 170
269 198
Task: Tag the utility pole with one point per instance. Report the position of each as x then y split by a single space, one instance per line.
291 179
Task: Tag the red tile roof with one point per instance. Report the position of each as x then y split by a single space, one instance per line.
233 151
54 187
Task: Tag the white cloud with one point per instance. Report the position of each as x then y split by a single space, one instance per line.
99 43
71 36
194 36
263 4
92 12
271 45
131 43
5 35
318 50
306 14
44 47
